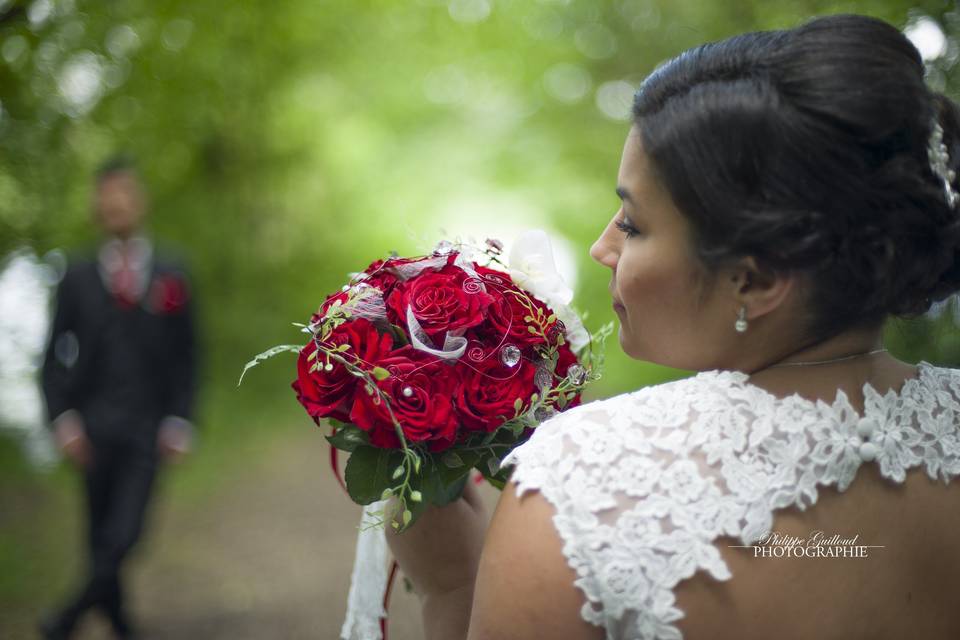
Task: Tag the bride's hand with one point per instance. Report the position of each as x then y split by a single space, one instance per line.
440 552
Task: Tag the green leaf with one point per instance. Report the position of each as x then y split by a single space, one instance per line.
440 484
269 353
447 492
368 472
496 481
399 336
348 437
452 460
498 478
446 485
487 439
380 373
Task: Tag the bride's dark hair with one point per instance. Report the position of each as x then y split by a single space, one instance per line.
807 149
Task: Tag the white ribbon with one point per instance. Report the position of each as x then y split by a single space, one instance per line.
453 346
463 261
408 270
368 583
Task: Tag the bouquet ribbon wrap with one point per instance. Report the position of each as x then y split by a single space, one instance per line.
369 582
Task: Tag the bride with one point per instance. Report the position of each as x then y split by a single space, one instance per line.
783 193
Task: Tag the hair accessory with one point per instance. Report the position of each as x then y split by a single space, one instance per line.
940 163
741 324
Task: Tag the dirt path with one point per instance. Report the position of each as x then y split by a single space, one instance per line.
269 557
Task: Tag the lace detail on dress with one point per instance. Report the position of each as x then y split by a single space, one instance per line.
644 483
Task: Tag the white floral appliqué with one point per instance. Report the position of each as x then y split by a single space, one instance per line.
644 483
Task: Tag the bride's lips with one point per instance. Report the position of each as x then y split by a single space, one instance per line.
617 305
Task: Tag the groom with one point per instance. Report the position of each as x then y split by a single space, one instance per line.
119 384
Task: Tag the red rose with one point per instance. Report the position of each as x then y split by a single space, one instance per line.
375 267
419 390
168 294
493 276
380 276
328 393
505 321
490 390
442 301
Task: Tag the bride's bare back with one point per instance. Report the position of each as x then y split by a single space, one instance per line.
905 587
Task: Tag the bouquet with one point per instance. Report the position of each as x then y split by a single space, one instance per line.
428 367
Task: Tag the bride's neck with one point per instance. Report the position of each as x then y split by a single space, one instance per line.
833 351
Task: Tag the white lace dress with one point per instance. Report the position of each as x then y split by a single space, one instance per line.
644 483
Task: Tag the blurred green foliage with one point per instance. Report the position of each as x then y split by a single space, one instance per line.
286 143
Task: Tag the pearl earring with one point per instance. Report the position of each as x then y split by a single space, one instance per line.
741 324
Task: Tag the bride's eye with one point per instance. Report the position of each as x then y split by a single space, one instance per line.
627 228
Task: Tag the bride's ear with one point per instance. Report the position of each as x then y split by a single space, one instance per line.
758 289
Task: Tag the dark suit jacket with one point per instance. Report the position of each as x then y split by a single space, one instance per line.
123 368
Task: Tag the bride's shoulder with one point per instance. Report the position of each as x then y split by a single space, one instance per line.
943 377
650 422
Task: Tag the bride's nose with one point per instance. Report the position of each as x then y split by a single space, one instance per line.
604 249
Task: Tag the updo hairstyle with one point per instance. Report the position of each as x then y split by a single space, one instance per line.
807 149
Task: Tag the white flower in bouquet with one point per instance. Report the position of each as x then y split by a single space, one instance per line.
533 268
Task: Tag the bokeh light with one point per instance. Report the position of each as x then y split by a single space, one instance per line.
927 36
